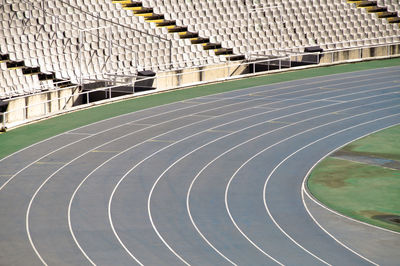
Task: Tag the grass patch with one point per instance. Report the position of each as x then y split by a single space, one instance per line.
386 144
19 138
365 192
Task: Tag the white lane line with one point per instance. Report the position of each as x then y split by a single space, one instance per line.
69 221
305 189
44 182
126 174
237 171
344 216
149 199
329 234
89 137
141 119
221 93
77 133
111 223
272 172
233 176
230 180
123 177
40 187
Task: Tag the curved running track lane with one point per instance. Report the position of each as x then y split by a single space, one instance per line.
208 181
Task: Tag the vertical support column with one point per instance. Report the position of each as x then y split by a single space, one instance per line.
170 54
4 120
229 67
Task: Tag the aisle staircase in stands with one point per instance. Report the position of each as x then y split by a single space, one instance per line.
380 11
147 12
26 70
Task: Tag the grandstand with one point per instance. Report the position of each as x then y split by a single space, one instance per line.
55 55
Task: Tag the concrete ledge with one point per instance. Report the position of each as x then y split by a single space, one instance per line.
36 106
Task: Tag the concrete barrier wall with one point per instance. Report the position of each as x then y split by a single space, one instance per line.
184 77
173 79
39 105
53 106
36 105
16 109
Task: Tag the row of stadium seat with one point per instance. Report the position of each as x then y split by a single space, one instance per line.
392 5
293 18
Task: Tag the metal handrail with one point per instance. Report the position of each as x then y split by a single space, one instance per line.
113 22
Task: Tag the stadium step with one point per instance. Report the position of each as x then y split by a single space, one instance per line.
121 1
188 35
375 9
235 58
63 83
176 29
223 51
47 76
386 14
129 5
211 46
380 11
394 19
149 16
366 4
199 40
15 64
4 58
31 70
165 23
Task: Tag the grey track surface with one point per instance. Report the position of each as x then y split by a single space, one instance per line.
209 181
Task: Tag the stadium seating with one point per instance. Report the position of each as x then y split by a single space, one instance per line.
385 9
68 42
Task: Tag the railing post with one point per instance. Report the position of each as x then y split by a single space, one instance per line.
229 67
4 120
170 54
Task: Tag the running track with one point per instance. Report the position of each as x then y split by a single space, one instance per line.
215 180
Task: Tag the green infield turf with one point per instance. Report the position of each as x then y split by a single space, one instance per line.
21 137
369 193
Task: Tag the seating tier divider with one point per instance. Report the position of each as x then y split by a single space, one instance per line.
380 10
161 22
